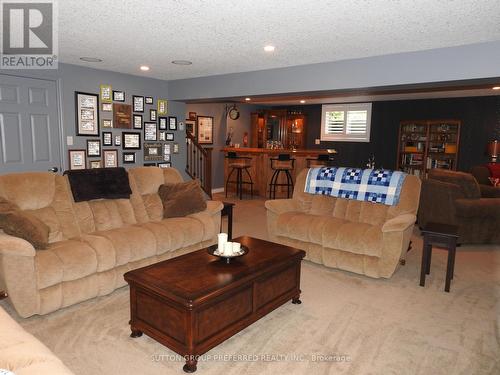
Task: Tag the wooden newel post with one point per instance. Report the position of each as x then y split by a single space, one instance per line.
208 172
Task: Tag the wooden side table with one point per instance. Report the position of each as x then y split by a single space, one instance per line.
3 294
228 211
446 236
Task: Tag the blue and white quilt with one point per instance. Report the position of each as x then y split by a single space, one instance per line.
370 185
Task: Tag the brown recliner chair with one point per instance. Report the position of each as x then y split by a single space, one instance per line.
481 174
455 198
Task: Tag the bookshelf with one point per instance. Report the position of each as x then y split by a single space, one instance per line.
428 144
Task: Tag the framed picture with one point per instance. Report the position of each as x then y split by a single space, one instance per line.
192 116
167 149
94 164
205 129
87 114
167 157
138 102
172 123
148 100
131 141
152 114
107 107
165 165
122 116
150 131
93 147
169 137
163 123
105 93
191 127
175 148
118 140
128 157
118 96
107 139
76 159
163 136
137 121
105 123
110 158
162 107
153 152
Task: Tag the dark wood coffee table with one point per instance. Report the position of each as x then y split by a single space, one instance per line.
194 302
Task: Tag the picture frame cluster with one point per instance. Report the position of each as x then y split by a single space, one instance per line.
114 126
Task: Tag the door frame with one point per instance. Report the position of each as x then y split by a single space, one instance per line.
58 84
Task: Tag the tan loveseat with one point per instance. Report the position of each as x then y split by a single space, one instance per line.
92 244
23 354
362 237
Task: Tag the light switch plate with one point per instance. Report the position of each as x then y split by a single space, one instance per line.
317 141
69 140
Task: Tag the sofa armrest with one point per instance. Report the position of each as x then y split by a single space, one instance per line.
484 207
214 207
10 245
399 223
279 206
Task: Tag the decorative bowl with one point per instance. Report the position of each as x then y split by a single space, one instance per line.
212 250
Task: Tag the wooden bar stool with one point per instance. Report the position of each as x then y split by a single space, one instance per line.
283 163
323 160
446 236
239 164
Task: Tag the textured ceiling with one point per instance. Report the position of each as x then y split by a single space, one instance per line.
221 36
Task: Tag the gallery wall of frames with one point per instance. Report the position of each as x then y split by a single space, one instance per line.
123 129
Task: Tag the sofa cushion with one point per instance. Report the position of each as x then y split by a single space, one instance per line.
175 233
331 232
129 243
64 261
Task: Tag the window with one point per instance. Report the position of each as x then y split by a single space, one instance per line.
346 122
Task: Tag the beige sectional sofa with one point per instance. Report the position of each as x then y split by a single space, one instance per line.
93 243
23 354
362 237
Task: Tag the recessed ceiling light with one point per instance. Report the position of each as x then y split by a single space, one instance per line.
248 99
90 59
496 88
302 101
144 68
182 62
269 48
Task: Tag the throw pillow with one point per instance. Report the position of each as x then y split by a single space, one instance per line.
18 223
182 199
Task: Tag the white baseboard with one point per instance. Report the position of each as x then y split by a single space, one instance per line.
218 190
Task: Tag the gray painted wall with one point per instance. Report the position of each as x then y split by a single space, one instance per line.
73 78
445 64
221 126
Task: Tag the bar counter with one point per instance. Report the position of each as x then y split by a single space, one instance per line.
261 171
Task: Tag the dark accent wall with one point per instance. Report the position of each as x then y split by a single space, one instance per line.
480 118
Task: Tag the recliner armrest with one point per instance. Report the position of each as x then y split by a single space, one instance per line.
483 207
214 206
399 223
279 206
10 245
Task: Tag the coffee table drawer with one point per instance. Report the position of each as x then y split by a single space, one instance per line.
227 311
271 287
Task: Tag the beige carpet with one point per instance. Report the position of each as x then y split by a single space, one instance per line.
378 326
